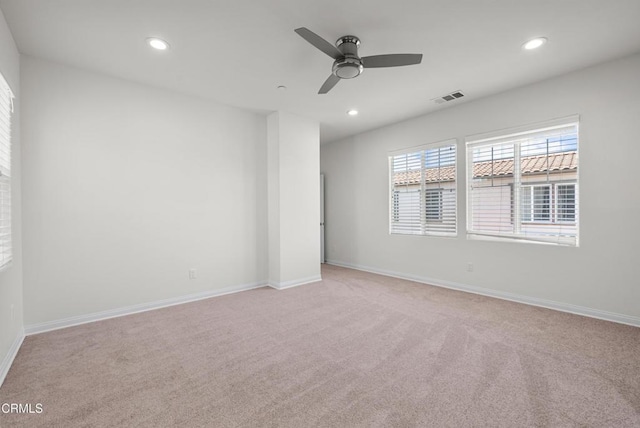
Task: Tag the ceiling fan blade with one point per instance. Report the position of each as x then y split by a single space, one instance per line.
328 84
319 42
392 60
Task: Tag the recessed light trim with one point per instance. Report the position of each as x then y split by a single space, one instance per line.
158 44
534 43
281 88
352 112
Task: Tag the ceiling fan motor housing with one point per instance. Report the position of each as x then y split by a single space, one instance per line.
350 65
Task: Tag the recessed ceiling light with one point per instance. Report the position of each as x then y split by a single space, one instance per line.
282 87
352 112
534 43
158 44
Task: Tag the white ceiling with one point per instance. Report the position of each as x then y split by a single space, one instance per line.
237 52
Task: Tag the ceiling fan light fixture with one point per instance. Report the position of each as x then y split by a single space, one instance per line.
348 68
157 43
534 43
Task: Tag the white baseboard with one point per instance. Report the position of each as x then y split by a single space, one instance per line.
143 307
294 283
533 301
11 355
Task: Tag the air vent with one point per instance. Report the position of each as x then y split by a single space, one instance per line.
449 97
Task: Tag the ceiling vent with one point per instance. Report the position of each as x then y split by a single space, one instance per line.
449 97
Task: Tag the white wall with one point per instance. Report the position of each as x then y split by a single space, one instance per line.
602 274
11 327
127 187
294 199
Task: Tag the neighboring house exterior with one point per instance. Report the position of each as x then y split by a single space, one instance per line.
440 200
548 193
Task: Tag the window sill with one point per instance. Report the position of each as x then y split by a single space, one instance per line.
548 223
523 240
436 235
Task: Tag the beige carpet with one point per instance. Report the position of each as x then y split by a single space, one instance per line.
353 350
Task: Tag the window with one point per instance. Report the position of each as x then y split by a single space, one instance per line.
6 108
535 203
522 184
433 204
423 190
546 203
566 202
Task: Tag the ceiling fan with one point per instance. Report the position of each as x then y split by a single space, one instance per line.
348 64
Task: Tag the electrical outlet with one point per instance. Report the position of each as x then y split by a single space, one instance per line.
469 267
193 274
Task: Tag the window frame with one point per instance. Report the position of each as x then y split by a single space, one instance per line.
424 229
532 211
6 239
575 203
554 206
515 136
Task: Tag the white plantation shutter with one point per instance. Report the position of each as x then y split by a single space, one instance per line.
6 108
423 190
440 189
522 184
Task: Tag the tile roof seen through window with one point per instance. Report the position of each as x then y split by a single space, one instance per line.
499 168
